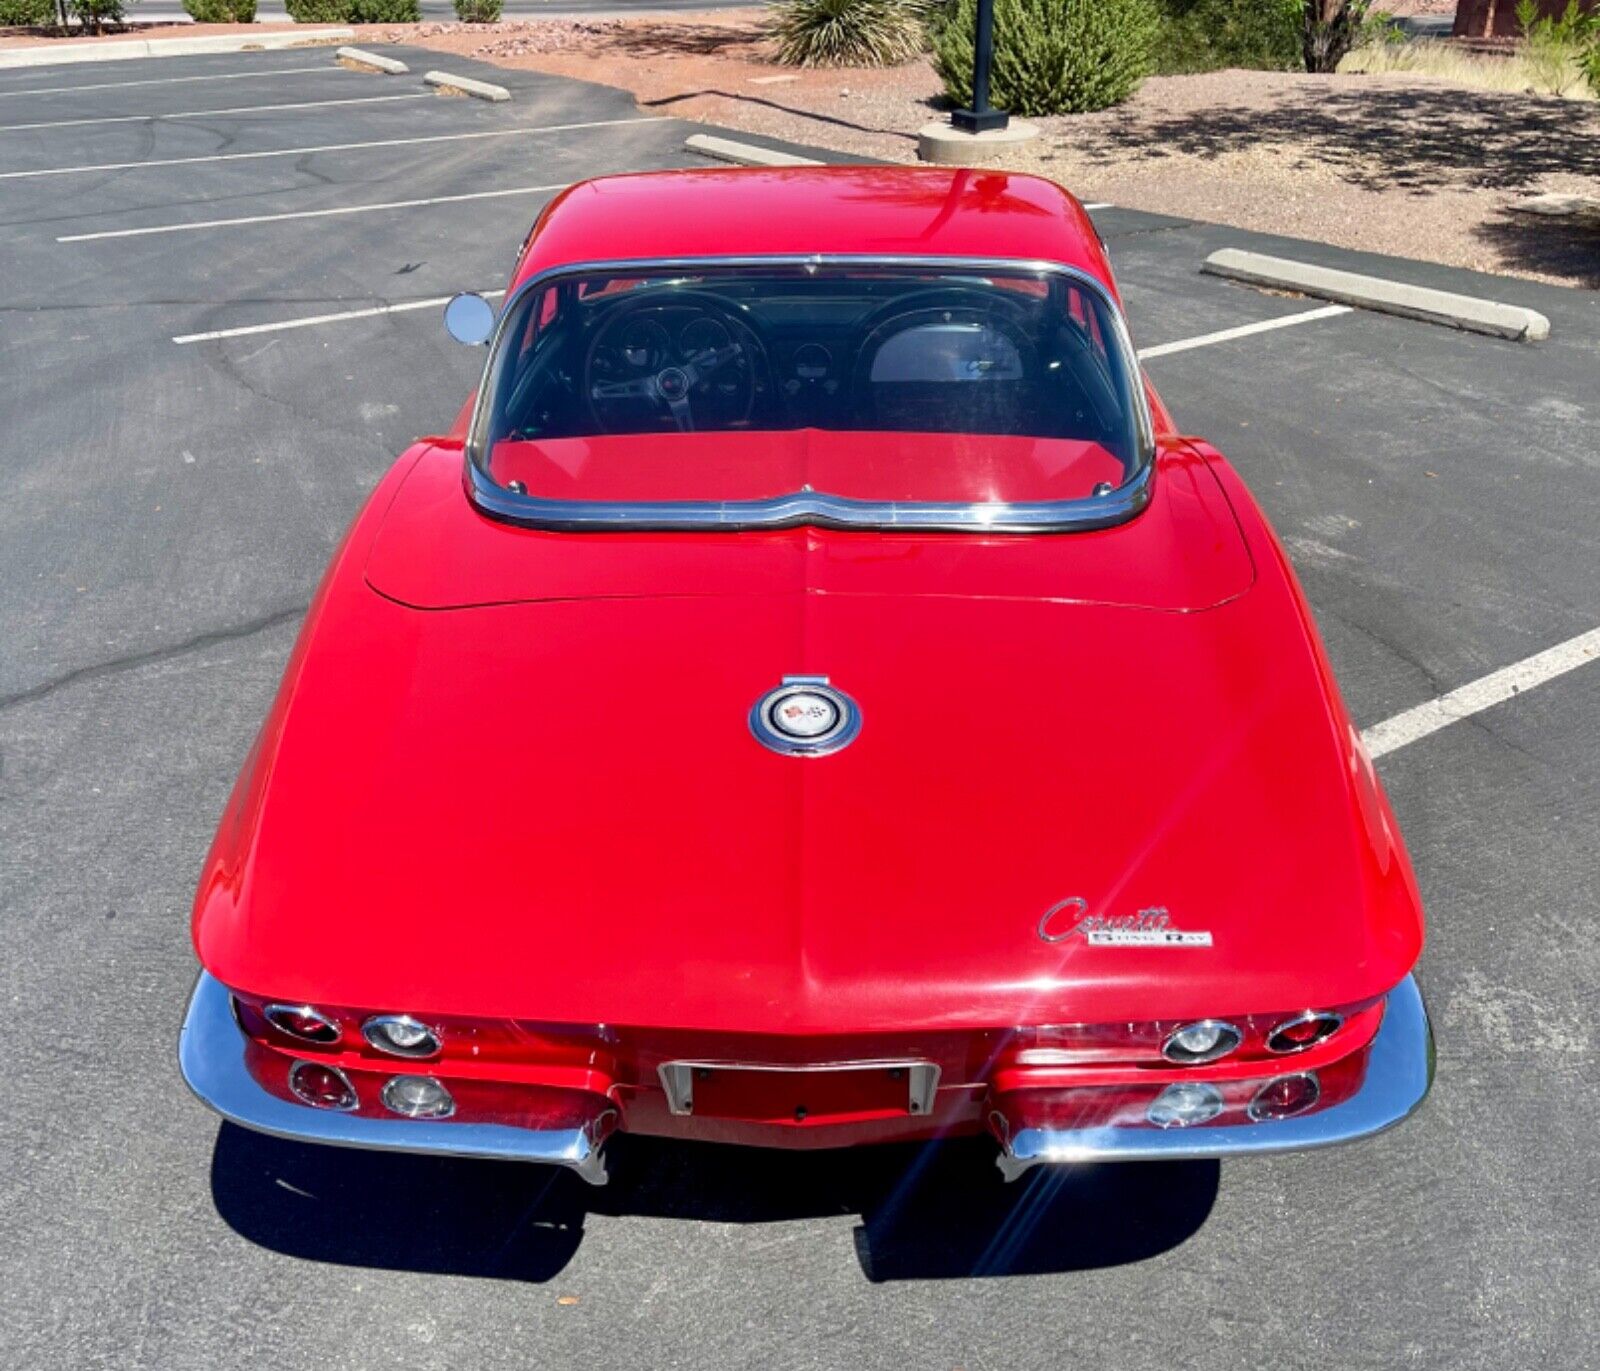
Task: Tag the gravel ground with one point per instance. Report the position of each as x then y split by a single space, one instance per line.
1395 164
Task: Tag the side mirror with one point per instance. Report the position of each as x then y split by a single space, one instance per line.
469 319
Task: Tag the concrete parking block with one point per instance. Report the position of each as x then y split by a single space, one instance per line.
389 66
465 85
1376 293
744 154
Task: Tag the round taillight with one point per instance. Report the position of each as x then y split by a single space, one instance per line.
1204 1041
303 1022
417 1097
1302 1031
1285 1097
1185 1103
400 1035
322 1086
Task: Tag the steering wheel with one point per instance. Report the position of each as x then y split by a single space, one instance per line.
683 360
946 305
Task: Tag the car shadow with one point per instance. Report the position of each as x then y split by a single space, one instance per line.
926 1212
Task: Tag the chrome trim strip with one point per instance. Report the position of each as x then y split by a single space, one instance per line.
922 1078
211 1055
1400 1067
826 511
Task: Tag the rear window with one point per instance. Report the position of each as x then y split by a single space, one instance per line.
858 381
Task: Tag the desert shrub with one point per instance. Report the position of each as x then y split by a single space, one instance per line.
96 14
1330 29
1559 48
382 11
354 11
478 11
848 33
27 14
1052 56
1204 35
221 11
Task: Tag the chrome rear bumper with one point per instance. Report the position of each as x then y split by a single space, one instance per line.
1398 1075
211 1053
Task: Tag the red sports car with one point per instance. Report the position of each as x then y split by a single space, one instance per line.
812 697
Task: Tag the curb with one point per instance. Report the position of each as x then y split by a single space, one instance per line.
390 66
167 47
744 154
465 85
1465 312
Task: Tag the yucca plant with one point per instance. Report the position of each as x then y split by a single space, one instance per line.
849 33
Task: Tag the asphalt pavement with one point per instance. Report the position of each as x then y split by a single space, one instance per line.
166 510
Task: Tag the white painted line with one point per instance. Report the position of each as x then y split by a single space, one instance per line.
334 147
306 213
436 302
169 81
1476 696
1101 204
1227 335
208 113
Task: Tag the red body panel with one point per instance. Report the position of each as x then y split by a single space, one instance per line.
920 212
509 774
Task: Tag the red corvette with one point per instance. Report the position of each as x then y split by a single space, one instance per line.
812 697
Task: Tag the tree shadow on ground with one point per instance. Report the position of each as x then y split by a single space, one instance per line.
1548 246
1382 138
926 1212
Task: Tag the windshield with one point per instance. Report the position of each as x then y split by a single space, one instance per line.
841 381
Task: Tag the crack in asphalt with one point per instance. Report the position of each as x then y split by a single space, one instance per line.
132 661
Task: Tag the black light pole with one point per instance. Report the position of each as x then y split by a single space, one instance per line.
982 117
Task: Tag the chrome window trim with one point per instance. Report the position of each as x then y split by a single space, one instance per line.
810 508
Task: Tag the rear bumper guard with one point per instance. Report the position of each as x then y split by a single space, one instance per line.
1398 1075
211 1054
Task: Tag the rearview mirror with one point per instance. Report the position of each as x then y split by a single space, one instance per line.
469 319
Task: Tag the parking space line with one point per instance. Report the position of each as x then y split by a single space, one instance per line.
434 302
1227 335
1476 696
212 113
335 147
171 80
306 214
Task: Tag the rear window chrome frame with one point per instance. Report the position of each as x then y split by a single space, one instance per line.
812 508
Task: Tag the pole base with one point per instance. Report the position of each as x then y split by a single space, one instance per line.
979 121
942 142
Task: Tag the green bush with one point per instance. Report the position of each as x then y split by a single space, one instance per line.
354 11
96 14
848 33
1559 48
1053 56
27 14
478 11
1205 35
1591 67
221 11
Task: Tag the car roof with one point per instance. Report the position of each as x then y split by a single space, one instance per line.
913 211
